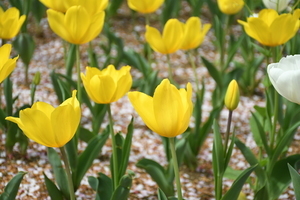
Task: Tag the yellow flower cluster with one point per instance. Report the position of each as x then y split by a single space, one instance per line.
265 28
77 22
177 35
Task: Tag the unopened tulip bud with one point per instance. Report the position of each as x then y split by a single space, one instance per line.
37 78
232 97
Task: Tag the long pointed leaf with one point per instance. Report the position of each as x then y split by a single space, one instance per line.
11 189
54 192
296 181
236 187
86 158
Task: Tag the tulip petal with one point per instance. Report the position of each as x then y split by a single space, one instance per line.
286 31
36 126
77 21
104 87
167 109
139 100
154 38
172 35
56 20
64 124
95 27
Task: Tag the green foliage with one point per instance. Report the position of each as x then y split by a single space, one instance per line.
11 189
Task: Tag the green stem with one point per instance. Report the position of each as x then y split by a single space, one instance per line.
223 45
170 72
176 170
274 120
227 131
192 62
68 172
114 150
78 73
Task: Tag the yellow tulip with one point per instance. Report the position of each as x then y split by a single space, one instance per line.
10 22
168 112
170 40
232 97
145 6
194 33
7 65
92 6
271 29
230 7
49 126
77 26
107 85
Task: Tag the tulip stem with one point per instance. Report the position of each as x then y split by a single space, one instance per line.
227 131
114 150
170 75
192 61
176 169
274 119
78 73
68 172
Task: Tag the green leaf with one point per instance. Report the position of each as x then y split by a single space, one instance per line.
86 158
280 176
102 185
262 134
215 74
296 181
123 189
11 189
158 174
59 172
85 135
24 45
126 150
70 58
218 152
161 195
54 192
252 160
236 187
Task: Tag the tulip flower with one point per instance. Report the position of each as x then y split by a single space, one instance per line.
10 22
230 7
7 65
92 6
285 77
49 126
271 29
278 5
77 26
145 6
232 97
168 112
194 33
170 40
107 85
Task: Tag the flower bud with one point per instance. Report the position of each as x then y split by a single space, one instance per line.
232 97
37 78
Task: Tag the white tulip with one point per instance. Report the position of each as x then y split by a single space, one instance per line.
278 5
285 77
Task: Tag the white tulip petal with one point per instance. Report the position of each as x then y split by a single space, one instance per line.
285 77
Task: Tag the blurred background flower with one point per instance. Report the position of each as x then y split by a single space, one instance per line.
230 7
169 41
278 5
194 33
271 29
144 6
77 26
10 22
7 65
